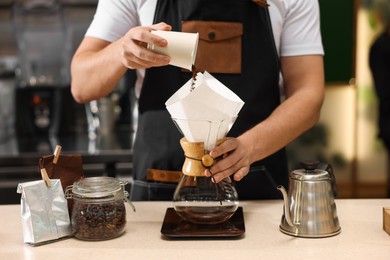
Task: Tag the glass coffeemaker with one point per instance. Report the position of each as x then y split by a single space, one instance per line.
197 198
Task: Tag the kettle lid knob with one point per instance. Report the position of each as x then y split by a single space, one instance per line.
309 165
310 172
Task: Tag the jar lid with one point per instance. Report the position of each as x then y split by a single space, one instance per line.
97 187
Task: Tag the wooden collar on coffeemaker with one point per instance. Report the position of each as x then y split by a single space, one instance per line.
206 160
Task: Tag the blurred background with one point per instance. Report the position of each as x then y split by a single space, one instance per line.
347 134
37 111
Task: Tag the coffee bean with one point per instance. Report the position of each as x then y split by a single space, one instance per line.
98 221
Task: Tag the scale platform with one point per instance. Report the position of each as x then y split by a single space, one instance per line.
174 227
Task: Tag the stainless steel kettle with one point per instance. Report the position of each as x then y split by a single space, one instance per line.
309 206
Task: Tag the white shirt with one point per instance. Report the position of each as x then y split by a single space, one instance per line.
295 24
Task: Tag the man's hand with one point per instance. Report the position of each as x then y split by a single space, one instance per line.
134 51
235 160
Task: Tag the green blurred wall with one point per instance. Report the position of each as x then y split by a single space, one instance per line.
338 36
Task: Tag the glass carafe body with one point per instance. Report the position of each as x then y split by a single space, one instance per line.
197 198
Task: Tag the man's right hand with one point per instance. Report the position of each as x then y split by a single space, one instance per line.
134 51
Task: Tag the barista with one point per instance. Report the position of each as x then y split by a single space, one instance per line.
282 39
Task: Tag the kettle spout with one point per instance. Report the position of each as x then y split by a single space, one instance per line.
287 207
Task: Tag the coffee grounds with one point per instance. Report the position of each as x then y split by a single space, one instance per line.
193 78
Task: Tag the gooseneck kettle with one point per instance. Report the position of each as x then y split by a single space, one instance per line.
309 206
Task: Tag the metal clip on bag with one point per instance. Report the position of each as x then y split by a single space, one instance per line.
44 212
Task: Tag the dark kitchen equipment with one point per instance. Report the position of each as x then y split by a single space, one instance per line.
44 104
7 95
43 44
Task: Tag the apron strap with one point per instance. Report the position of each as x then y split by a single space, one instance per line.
163 175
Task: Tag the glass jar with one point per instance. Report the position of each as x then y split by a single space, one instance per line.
98 211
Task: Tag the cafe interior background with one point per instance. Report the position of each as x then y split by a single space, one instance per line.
345 137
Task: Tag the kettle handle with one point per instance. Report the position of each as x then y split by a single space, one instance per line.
327 167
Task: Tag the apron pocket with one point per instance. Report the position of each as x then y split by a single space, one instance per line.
219 47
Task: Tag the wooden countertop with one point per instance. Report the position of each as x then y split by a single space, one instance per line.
361 237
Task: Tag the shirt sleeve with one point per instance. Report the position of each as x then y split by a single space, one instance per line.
112 19
301 34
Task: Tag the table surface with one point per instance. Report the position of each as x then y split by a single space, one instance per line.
362 237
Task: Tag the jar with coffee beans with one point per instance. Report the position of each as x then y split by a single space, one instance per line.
98 211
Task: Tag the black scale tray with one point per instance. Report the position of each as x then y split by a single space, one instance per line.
175 227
